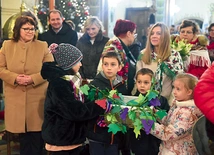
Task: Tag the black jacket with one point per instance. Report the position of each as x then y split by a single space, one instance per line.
65 35
101 134
147 144
91 54
64 116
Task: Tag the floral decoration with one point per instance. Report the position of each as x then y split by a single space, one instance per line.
137 113
182 47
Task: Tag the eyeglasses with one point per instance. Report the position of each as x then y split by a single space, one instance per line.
187 32
135 35
27 30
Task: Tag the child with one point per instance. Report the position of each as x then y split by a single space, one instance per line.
65 116
176 127
101 142
146 143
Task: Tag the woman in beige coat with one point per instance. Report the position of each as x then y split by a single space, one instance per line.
21 60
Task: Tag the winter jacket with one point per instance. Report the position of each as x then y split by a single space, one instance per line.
175 130
91 54
147 143
65 35
24 105
204 93
101 134
65 117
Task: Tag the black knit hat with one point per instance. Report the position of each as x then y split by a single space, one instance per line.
66 55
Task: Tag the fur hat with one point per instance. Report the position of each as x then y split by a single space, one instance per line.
66 55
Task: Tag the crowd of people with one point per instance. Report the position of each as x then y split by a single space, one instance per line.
43 75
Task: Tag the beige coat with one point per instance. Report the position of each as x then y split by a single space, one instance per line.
24 105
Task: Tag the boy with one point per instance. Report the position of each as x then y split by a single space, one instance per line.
146 143
100 140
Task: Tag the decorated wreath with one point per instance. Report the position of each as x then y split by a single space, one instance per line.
137 113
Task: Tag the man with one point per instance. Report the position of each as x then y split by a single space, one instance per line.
59 31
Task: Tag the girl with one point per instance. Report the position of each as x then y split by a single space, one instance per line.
64 127
146 143
176 127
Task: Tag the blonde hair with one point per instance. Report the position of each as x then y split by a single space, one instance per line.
164 50
93 20
189 81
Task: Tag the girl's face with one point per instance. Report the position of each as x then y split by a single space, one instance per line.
155 36
77 67
187 33
143 83
110 67
180 92
92 30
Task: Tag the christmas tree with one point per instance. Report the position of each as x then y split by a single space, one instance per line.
75 10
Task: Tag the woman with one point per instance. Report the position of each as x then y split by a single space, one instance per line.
91 45
125 32
161 59
210 47
199 60
21 60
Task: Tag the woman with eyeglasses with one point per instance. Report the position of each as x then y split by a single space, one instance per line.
198 60
21 60
210 47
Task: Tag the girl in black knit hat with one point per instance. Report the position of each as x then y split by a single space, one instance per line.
66 113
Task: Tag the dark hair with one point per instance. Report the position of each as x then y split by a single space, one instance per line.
188 23
145 71
18 24
123 26
70 72
31 14
55 11
211 25
112 54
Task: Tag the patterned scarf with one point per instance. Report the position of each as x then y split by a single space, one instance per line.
169 67
75 81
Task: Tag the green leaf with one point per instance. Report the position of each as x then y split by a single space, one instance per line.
138 124
132 115
136 131
132 103
116 109
111 93
152 95
114 128
161 113
85 89
110 118
140 99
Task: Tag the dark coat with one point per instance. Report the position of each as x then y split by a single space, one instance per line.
65 117
91 54
65 35
147 143
95 132
132 68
